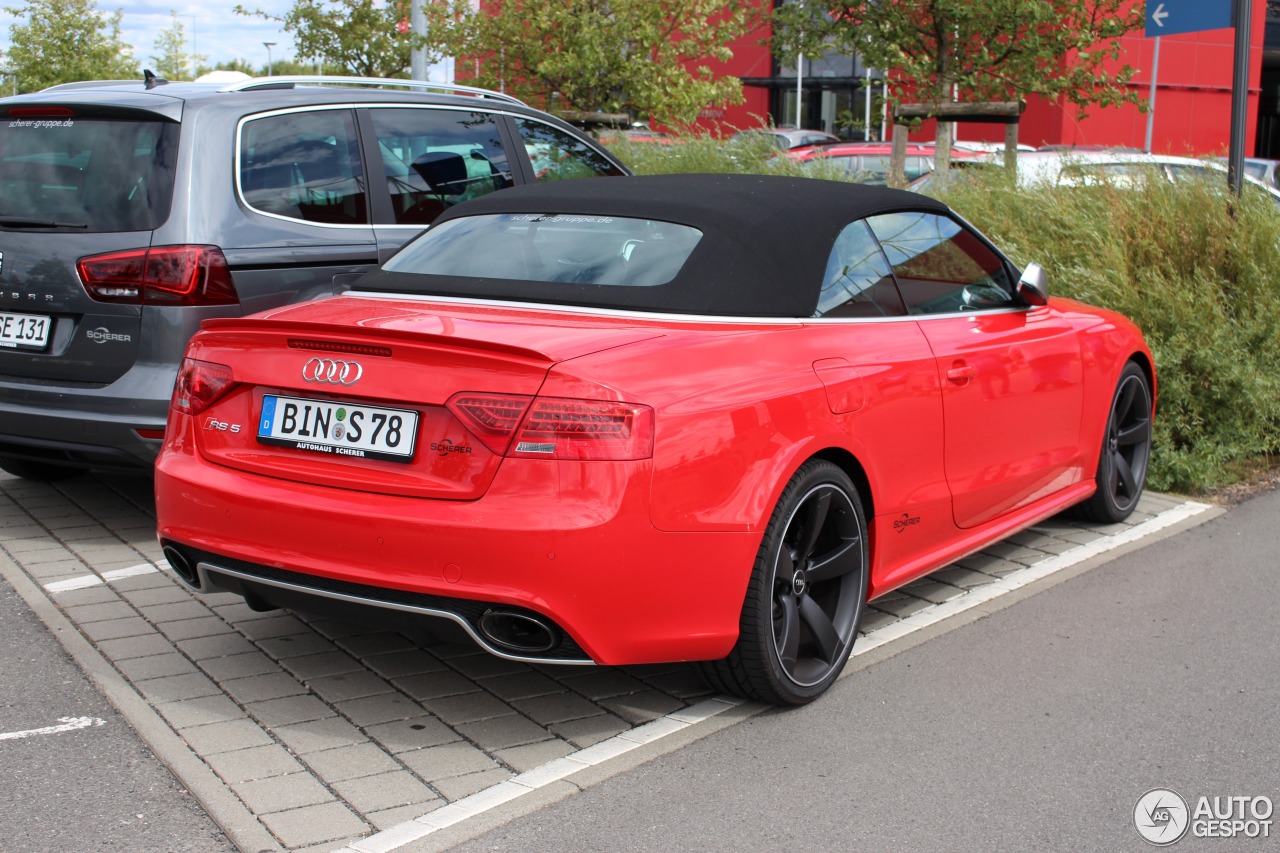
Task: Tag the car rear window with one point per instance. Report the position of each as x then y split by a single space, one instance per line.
551 247
89 174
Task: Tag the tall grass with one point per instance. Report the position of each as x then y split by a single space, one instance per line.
1198 270
753 154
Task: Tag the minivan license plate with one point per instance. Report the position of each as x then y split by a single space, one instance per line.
341 429
24 331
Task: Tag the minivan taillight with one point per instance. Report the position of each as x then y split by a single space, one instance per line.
40 112
557 428
161 275
200 384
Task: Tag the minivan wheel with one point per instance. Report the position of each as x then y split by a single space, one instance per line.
32 470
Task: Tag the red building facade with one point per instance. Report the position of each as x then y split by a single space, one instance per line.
1192 104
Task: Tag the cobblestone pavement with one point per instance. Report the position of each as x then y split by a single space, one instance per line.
326 732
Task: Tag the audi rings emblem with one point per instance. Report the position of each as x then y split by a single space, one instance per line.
332 371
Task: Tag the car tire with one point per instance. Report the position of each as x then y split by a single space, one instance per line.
1126 450
806 596
32 470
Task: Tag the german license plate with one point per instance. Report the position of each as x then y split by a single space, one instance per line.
341 429
24 331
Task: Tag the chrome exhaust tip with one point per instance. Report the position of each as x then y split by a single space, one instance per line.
182 566
521 633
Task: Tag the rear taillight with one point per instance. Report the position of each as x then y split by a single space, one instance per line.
199 385
161 275
492 418
556 428
40 112
585 429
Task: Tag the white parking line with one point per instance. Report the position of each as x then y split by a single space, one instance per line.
530 781
68 724
86 581
539 777
1016 580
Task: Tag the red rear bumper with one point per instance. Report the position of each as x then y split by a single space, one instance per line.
572 541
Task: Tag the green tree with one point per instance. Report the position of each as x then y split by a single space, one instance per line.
361 36
65 41
239 64
646 57
993 50
173 62
279 67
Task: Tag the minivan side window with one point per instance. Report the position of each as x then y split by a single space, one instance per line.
559 156
304 165
941 266
435 158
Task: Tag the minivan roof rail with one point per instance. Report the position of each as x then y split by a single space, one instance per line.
303 79
88 84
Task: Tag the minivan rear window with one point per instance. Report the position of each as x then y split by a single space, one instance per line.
87 174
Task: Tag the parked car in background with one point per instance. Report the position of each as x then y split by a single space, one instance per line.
984 147
868 162
1076 167
787 138
641 135
1260 169
668 418
133 211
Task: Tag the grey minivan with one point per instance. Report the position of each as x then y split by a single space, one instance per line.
132 211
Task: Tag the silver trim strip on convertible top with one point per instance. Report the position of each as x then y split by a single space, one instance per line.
685 318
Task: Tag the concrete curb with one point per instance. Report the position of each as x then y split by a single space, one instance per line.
227 811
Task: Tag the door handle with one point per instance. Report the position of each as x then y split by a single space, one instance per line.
960 373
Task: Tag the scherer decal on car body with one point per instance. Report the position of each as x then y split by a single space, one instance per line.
102 335
447 446
904 521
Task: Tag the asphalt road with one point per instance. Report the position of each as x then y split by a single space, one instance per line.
92 787
1036 728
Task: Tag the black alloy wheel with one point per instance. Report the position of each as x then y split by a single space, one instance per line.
1126 450
806 595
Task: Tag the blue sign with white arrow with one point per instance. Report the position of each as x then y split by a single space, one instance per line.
1171 17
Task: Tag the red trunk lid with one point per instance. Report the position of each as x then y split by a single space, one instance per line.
390 366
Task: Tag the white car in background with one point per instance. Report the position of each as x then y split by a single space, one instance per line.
1071 167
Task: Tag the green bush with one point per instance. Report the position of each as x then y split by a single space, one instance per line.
1196 269
753 154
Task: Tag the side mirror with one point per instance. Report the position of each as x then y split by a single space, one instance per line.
1032 288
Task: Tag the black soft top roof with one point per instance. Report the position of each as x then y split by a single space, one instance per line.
763 252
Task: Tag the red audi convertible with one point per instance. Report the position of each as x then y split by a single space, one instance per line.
636 420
